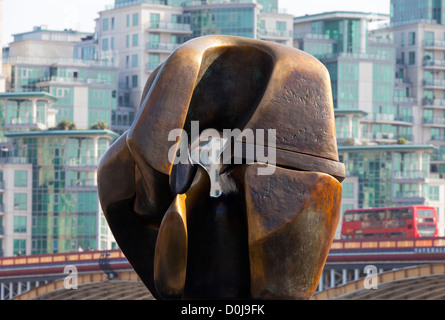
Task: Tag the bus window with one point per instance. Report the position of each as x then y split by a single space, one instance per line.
358 216
349 216
369 216
407 214
425 213
395 214
380 215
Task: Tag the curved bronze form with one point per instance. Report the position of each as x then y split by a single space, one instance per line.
265 236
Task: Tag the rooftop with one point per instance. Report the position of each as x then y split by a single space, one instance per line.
370 16
71 133
27 95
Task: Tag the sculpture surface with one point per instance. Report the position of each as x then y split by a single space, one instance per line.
260 236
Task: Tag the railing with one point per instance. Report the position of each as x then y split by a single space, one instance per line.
61 61
171 26
410 194
433 102
276 33
311 36
434 63
90 162
83 183
162 46
21 160
434 83
130 3
435 120
438 138
388 244
434 43
411 174
74 80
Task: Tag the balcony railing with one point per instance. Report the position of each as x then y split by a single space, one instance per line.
14 160
82 162
161 46
435 120
434 63
276 33
80 183
434 43
433 102
438 138
434 83
169 26
411 174
410 194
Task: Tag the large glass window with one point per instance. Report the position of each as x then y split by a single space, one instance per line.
19 224
348 190
411 38
19 246
135 19
20 178
20 201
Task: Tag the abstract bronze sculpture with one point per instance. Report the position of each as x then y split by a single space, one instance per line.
264 236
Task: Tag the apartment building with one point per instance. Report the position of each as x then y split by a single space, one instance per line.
381 129
139 35
42 61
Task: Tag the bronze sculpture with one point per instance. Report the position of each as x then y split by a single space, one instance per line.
263 236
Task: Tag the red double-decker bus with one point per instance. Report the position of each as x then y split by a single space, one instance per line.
394 222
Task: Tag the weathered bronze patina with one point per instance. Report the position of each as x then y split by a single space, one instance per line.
265 236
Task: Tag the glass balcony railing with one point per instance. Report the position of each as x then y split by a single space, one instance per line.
276 33
79 162
410 194
169 26
161 46
411 174
435 120
434 83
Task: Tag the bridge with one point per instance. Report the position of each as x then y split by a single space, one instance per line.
108 275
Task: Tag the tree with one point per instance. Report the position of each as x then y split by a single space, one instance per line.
65 125
99 126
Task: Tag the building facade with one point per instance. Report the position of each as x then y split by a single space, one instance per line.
137 36
385 124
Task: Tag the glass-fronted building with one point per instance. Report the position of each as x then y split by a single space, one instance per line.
65 208
405 12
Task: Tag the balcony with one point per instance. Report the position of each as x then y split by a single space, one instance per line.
161 47
384 117
434 84
411 175
436 121
412 196
435 103
169 27
82 163
275 34
434 64
82 184
437 44
437 138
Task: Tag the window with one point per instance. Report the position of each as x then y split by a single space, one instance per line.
134 60
135 19
20 201
20 178
105 24
281 25
154 20
411 38
128 20
412 57
348 190
434 193
134 81
127 61
105 44
112 23
19 246
19 224
135 40
402 39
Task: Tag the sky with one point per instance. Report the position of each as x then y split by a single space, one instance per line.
22 15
